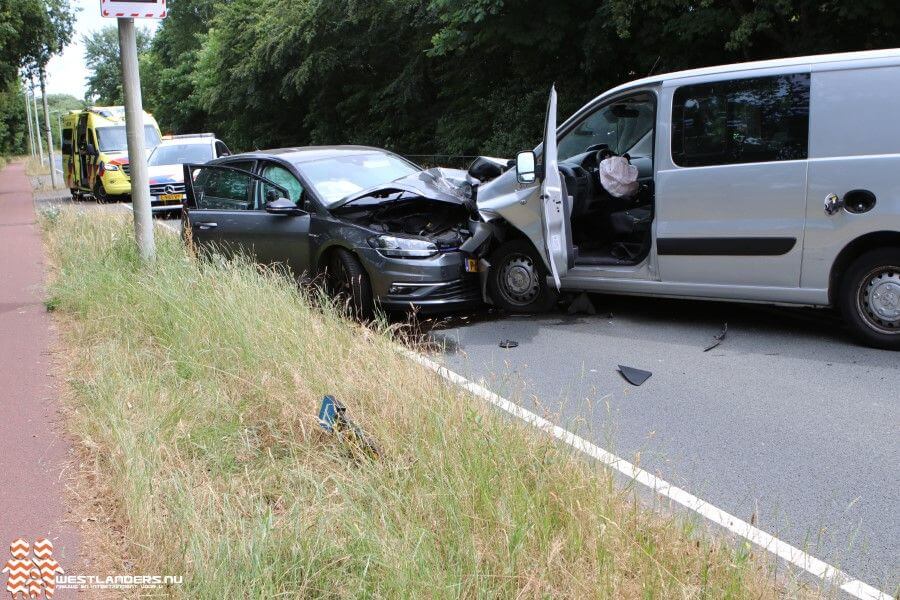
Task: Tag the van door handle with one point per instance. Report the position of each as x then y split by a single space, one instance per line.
207 225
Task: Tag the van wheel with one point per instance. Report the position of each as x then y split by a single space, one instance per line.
870 298
347 280
517 280
100 192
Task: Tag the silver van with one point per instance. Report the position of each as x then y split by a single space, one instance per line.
774 182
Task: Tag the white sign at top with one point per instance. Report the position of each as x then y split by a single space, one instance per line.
134 9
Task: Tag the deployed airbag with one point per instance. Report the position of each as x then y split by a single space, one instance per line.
618 176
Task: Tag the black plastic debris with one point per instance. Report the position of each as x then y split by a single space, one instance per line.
582 304
634 376
508 343
717 339
333 419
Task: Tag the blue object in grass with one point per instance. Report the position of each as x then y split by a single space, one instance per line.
330 414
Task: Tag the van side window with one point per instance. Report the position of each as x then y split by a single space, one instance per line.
760 119
66 140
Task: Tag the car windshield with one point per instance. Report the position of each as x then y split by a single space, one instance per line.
179 154
113 139
338 177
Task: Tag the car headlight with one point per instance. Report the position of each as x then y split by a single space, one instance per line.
401 247
110 167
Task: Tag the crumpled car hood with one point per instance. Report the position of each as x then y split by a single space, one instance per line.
438 183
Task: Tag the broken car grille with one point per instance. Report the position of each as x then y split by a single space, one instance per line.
458 290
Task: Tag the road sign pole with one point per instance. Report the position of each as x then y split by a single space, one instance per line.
134 127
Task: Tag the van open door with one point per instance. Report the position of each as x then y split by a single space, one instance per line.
555 208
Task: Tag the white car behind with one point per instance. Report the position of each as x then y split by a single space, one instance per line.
165 166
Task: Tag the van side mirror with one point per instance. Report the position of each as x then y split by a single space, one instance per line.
90 150
525 167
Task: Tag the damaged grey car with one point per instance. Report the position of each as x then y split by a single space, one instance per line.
378 229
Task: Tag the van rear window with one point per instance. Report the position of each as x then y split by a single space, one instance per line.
760 119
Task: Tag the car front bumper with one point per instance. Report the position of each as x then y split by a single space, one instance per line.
435 284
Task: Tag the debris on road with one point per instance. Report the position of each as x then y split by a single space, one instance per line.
508 343
333 419
582 304
717 339
634 376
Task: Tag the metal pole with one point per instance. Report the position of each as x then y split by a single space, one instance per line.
30 125
37 124
134 128
48 131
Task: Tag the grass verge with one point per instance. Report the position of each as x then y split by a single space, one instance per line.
194 392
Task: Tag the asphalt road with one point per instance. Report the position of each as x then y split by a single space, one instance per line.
787 422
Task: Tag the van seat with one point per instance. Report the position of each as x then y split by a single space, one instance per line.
635 220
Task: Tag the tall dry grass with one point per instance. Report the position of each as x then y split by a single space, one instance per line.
196 385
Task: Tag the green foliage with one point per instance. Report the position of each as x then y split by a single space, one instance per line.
455 76
101 54
13 128
60 103
31 31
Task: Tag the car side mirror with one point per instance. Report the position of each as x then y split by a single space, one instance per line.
91 151
525 167
283 206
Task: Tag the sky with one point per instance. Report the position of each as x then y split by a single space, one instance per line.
66 73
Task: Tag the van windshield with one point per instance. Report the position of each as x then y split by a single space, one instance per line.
113 139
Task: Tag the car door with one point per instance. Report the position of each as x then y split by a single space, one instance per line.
226 211
731 194
221 206
286 240
554 202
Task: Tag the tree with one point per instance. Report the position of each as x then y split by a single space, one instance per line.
170 67
101 55
456 76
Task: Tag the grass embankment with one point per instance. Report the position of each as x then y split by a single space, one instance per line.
34 167
195 387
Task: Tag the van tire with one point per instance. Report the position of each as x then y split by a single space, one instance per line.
100 194
872 276
517 279
346 280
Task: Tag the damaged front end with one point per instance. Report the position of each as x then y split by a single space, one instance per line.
425 231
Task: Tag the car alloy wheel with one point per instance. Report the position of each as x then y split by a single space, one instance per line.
878 299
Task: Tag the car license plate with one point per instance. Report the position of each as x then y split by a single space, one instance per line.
471 265
165 197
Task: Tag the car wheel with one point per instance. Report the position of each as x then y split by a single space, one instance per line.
517 280
347 280
100 192
870 298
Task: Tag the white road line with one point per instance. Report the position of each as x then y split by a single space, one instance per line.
824 571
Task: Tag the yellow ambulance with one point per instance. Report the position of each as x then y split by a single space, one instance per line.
95 152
